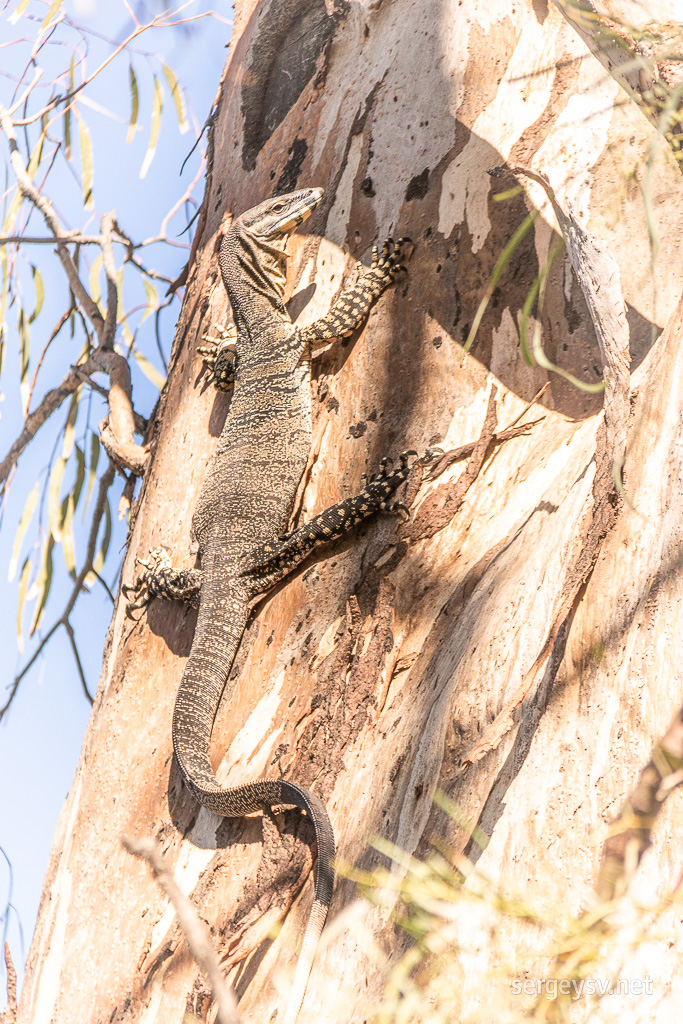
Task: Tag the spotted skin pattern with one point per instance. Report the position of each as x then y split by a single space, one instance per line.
244 506
353 305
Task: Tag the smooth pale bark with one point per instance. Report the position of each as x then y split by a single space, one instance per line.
379 667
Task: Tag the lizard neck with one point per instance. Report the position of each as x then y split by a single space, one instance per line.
254 275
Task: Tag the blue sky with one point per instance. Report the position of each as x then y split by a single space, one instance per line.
40 738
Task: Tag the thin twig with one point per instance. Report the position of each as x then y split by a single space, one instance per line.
193 929
74 236
62 320
72 639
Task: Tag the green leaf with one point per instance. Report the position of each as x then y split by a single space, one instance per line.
67 115
15 205
539 354
500 266
95 279
3 301
80 476
29 509
152 299
43 583
14 18
54 7
150 372
85 146
524 322
101 555
92 471
177 98
54 512
68 549
68 442
23 585
501 197
25 336
40 293
157 106
134 104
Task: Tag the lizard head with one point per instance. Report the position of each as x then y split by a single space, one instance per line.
253 252
273 221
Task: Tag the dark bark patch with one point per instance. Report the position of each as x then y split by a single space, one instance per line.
290 45
418 186
289 178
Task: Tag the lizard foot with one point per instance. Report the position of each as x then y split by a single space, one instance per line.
219 355
162 579
391 480
384 268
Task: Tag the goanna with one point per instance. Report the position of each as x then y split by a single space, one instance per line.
246 500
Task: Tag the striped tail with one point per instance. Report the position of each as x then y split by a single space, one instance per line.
201 688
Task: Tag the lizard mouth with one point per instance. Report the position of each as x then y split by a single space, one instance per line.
297 207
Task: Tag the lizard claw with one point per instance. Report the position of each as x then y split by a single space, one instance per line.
397 506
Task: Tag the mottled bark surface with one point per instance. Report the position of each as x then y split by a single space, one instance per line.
377 669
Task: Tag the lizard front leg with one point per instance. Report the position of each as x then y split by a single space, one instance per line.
220 356
161 579
353 305
275 560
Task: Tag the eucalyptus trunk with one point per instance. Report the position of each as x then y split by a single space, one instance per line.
516 642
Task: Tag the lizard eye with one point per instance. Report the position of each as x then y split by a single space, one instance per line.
279 207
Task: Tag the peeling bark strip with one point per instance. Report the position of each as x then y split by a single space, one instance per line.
643 58
9 1014
598 275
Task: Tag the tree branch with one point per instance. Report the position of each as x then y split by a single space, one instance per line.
62 237
194 930
107 226
35 420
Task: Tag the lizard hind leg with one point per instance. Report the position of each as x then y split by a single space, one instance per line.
161 579
275 560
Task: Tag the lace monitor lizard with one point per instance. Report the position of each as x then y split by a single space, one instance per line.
246 499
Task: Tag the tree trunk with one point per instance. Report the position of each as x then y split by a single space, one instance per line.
516 643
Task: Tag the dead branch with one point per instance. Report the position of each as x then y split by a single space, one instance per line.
55 331
35 420
465 450
9 1014
117 431
194 930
